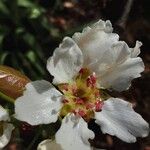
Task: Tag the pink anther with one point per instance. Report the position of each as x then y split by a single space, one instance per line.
91 81
81 113
89 106
65 101
79 101
81 70
65 87
98 105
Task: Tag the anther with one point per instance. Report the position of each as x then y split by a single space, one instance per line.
65 87
81 71
89 106
65 101
81 113
91 80
79 101
98 105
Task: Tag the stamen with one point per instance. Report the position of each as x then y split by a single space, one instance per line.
81 97
89 106
84 73
65 101
81 113
91 81
93 78
81 71
75 112
98 106
65 87
74 89
97 93
79 101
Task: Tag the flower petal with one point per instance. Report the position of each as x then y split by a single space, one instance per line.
5 138
49 145
119 77
3 114
114 63
118 118
136 50
94 41
74 135
40 103
66 61
117 54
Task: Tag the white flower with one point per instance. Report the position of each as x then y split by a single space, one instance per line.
48 143
5 128
82 66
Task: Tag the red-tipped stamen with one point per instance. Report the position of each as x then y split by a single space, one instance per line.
65 101
81 70
81 113
98 105
75 112
79 101
89 106
65 87
91 81
97 93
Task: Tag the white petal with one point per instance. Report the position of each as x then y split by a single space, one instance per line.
118 118
102 25
3 114
40 103
119 77
114 63
49 145
136 50
117 54
66 61
95 41
5 138
74 135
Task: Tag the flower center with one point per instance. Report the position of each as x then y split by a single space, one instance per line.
81 96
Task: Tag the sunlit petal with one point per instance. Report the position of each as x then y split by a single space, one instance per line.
5 138
66 61
48 144
40 103
3 114
74 135
119 119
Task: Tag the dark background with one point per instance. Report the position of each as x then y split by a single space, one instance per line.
31 30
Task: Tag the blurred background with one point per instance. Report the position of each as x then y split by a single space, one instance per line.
30 30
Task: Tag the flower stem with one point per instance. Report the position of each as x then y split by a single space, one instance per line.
6 98
34 139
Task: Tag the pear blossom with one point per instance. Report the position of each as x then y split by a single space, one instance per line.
48 143
5 128
82 67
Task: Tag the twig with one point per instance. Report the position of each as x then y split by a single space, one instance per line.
6 98
30 147
123 20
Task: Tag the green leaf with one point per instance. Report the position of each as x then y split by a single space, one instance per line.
32 57
35 13
25 3
3 57
3 8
